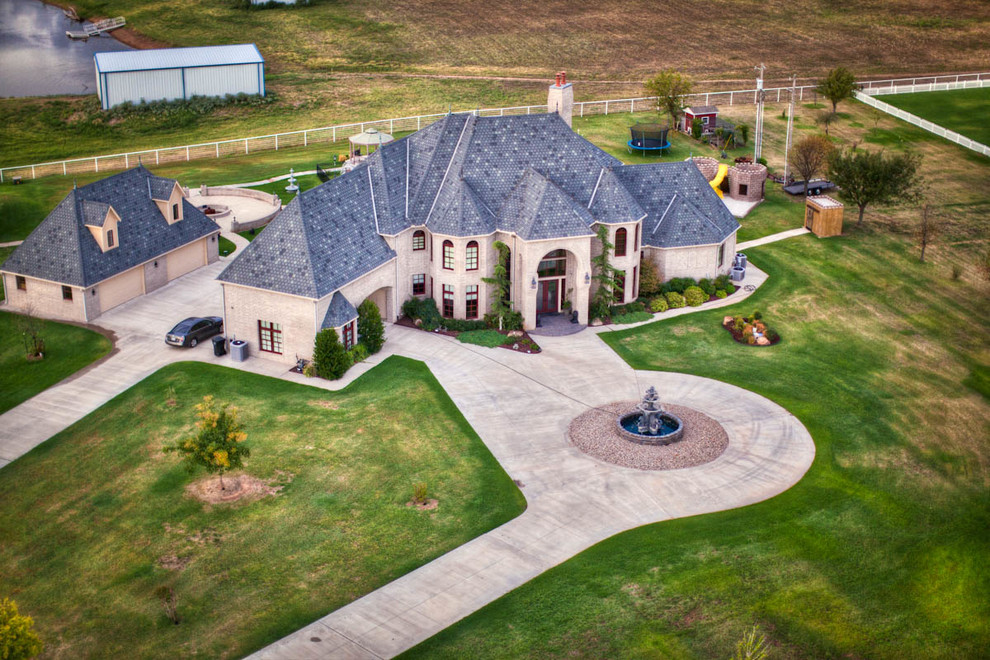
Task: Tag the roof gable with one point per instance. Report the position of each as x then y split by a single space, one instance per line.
339 312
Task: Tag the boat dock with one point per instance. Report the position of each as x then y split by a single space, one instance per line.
97 28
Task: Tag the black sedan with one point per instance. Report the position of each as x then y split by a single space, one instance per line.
194 330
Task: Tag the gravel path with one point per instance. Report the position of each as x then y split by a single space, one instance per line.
595 433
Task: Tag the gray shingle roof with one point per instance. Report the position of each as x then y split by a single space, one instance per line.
702 109
62 249
340 312
321 240
682 209
471 176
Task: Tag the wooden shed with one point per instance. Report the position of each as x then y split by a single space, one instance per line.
823 216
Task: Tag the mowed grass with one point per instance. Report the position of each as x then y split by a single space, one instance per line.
964 111
68 348
89 518
880 551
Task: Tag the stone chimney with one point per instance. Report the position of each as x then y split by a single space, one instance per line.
560 98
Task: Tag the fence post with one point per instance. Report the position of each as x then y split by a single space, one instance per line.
334 136
276 142
606 107
217 145
32 173
1 176
582 108
391 126
127 162
305 138
64 172
730 98
418 119
96 163
156 156
187 153
245 146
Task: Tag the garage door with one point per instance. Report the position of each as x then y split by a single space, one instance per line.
121 288
185 260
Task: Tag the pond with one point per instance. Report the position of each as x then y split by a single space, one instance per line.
37 59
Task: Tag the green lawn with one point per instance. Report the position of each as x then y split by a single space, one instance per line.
4 253
880 551
89 516
226 247
964 111
68 348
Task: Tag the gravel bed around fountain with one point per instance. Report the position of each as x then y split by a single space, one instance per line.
595 433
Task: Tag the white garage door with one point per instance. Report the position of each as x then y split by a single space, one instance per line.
120 288
185 260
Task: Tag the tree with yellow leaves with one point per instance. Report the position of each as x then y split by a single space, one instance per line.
218 444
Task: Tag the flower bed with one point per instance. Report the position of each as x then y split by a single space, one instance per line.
423 315
751 330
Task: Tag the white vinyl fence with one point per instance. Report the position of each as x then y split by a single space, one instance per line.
929 126
331 134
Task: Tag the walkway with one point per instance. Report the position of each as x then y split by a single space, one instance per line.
772 238
11 244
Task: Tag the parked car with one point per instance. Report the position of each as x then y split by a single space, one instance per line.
194 330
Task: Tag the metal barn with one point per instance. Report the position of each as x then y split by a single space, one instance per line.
178 73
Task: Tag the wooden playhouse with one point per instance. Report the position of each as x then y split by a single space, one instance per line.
823 216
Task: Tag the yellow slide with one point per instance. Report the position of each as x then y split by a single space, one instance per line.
723 169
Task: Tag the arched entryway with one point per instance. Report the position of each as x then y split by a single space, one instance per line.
551 289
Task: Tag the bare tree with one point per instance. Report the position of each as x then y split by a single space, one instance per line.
31 327
928 227
809 157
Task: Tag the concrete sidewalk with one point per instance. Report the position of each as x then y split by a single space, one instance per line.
772 238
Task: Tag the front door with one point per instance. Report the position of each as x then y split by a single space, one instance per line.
547 296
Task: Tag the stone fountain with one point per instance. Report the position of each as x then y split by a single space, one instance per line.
651 424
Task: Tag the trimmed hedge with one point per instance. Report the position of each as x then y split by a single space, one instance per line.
674 300
695 296
658 304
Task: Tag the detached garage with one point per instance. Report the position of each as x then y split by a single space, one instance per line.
178 73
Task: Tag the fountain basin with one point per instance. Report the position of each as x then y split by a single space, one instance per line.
670 429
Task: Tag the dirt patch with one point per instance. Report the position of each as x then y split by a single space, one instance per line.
237 488
173 563
329 405
428 505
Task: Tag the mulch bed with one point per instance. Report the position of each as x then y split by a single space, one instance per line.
729 324
522 340
596 434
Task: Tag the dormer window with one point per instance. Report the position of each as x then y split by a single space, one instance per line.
175 212
110 239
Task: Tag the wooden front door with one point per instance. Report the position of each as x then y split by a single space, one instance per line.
547 297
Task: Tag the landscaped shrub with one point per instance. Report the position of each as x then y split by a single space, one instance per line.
658 304
425 311
707 286
694 296
331 360
678 284
489 338
749 330
772 335
510 320
359 353
371 330
630 308
722 282
674 300
599 309
461 325
649 278
720 293
730 288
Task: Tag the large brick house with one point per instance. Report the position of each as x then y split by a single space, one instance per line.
420 216
106 243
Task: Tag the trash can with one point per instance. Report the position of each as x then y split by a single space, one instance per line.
219 345
238 350
737 274
740 260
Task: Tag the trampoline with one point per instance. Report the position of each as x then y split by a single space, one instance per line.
648 137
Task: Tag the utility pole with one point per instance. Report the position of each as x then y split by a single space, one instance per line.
790 128
760 94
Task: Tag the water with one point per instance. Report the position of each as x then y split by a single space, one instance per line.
37 59
667 425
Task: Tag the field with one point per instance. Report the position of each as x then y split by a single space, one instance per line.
963 111
340 62
96 518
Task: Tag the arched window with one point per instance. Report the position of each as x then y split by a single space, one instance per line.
448 255
471 256
419 240
620 242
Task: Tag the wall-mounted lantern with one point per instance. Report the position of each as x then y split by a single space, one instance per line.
587 278
533 283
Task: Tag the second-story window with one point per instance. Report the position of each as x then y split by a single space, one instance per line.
620 242
471 256
419 240
448 255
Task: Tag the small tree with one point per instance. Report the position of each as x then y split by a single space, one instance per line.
18 641
329 355
809 157
371 330
825 119
218 444
742 133
837 86
606 275
169 602
873 178
752 646
649 278
30 327
669 87
501 305
928 228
